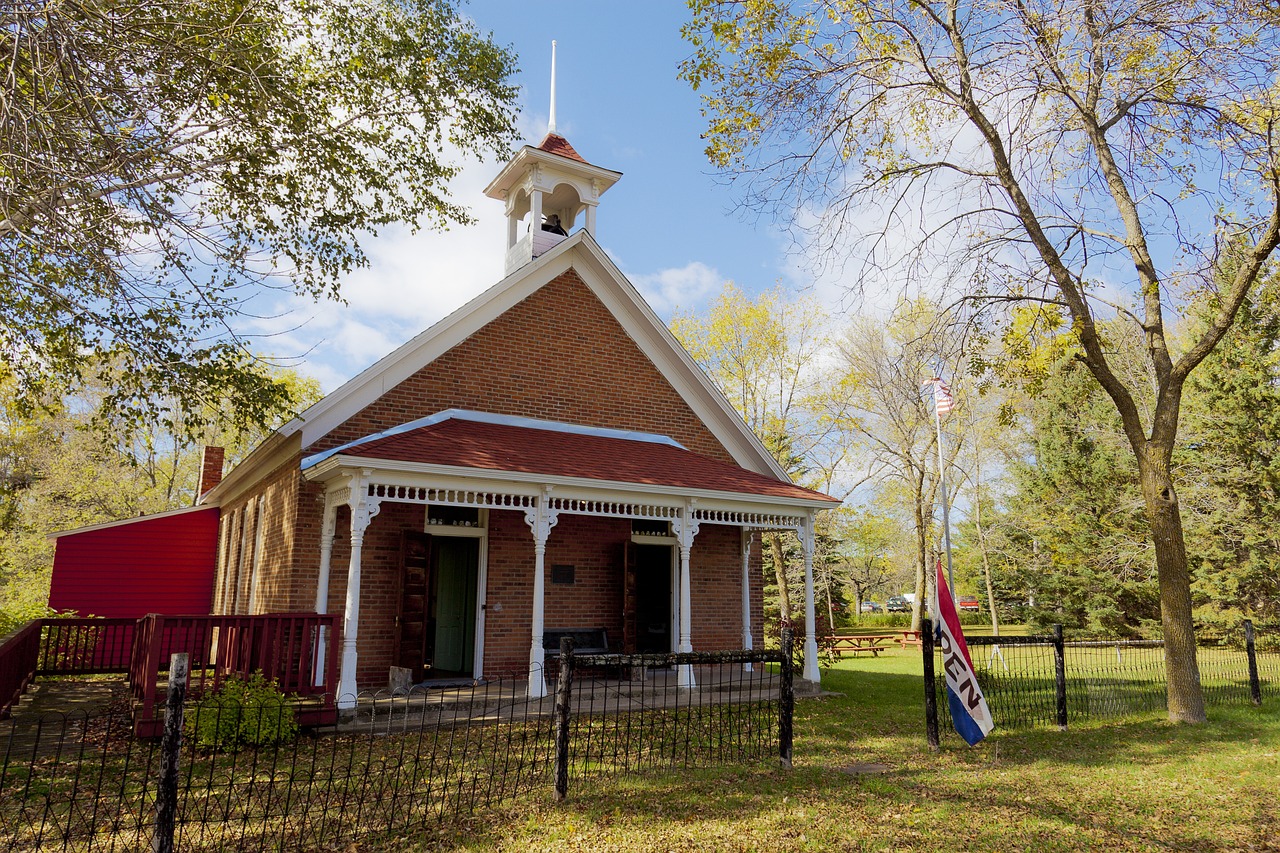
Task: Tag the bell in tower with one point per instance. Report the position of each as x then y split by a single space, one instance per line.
549 190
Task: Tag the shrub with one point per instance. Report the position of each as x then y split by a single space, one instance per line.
243 711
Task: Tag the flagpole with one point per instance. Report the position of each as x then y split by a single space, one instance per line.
946 508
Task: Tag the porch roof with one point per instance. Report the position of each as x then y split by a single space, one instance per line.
463 440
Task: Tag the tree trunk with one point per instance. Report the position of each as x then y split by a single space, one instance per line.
780 569
922 561
982 548
1186 700
831 612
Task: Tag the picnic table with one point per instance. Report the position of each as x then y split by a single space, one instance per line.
909 638
854 644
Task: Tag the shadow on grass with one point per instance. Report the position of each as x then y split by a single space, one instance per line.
1134 784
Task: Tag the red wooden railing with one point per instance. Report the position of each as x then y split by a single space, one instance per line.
299 651
62 647
18 658
85 646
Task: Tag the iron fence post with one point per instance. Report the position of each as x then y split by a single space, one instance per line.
930 684
786 699
1251 652
170 751
564 699
1060 675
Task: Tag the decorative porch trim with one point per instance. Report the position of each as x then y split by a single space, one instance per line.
614 509
750 520
450 497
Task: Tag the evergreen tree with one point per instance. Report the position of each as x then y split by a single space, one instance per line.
1232 467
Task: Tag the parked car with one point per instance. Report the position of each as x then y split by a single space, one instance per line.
898 604
871 607
967 603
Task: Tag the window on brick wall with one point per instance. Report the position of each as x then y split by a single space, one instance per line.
650 527
455 516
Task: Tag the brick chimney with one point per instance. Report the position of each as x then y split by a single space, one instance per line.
211 468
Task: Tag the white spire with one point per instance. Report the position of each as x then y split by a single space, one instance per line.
551 122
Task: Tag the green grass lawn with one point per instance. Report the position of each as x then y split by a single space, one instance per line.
1137 784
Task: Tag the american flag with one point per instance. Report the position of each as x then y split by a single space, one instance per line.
942 399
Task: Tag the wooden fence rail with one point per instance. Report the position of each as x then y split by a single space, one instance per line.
299 651
18 658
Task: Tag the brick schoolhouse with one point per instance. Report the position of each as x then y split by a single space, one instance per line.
547 458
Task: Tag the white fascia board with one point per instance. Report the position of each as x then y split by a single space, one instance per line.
422 475
106 525
503 420
513 172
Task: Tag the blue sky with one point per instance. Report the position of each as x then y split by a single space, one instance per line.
669 223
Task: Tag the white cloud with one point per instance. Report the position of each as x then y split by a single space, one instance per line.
685 288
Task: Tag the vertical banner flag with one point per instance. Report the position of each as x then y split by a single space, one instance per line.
943 402
969 711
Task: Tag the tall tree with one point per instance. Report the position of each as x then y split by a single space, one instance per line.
1035 148
884 366
763 354
863 549
1078 503
164 161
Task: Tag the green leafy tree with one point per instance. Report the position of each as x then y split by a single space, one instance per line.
883 367
165 162
1026 151
763 355
1078 502
58 473
863 551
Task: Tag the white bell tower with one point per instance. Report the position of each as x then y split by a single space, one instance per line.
547 190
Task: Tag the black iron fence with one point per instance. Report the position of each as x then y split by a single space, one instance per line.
398 764
1055 680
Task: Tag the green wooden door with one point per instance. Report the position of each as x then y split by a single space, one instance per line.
456 564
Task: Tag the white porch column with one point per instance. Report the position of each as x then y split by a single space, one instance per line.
363 509
747 537
540 520
328 529
808 539
685 528
591 220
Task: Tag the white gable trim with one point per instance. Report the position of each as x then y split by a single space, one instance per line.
502 420
581 253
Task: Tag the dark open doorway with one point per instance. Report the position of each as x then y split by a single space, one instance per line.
653 598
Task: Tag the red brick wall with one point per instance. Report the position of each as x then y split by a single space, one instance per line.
280 587
594 547
379 586
557 355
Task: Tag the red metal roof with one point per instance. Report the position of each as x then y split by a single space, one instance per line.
554 143
503 447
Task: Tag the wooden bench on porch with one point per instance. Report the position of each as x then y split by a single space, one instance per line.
586 641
